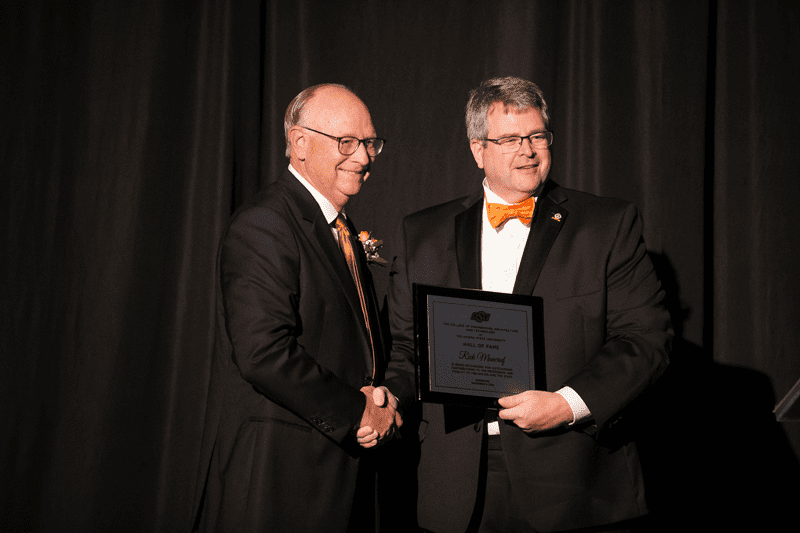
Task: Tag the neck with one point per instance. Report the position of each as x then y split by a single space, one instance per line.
299 172
510 197
515 197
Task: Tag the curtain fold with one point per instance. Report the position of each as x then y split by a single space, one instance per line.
116 187
131 132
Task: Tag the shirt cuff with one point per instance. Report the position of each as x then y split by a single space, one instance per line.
579 410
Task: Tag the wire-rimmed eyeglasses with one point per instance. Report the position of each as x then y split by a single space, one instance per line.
349 145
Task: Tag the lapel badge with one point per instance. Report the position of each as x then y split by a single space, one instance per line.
557 217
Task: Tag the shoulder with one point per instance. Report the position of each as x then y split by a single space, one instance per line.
438 213
435 224
273 197
269 217
263 236
276 204
601 226
594 211
585 200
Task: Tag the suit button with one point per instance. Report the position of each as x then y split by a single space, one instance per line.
477 426
367 381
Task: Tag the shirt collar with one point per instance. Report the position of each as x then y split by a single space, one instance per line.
493 198
328 210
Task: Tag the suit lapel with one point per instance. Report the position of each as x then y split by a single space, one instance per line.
371 299
468 258
320 232
548 220
338 264
468 242
549 217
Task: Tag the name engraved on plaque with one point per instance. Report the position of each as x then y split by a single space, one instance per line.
480 348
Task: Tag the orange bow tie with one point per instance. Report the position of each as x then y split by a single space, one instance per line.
499 213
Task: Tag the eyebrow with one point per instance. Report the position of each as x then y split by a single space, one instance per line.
518 135
354 136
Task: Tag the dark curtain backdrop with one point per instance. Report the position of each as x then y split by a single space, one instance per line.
130 130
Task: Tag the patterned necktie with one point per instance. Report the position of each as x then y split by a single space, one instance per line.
346 245
499 213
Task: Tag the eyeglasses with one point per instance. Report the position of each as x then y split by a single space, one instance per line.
542 139
349 145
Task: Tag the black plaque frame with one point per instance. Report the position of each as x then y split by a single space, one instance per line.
422 337
789 407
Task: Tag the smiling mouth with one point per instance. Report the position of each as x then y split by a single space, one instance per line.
361 171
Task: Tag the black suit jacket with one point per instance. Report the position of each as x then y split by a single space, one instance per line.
292 352
606 336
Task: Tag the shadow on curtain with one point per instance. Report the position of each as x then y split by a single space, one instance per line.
132 132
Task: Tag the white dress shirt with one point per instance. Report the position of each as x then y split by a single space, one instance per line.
501 253
328 210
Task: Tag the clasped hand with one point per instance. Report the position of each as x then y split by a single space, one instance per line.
381 418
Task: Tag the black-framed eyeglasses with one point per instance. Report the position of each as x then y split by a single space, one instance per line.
349 145
507 145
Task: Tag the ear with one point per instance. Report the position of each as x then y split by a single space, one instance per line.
299 142
477 151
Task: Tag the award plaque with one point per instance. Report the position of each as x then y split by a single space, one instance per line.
476 346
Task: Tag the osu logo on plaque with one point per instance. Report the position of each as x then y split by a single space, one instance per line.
480 316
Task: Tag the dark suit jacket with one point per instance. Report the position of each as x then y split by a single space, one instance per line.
292 352
606 336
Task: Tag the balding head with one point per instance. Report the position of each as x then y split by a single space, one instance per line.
335 111
294 113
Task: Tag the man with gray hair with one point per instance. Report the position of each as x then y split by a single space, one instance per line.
299 385
552 459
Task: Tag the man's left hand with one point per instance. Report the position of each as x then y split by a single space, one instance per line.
535 410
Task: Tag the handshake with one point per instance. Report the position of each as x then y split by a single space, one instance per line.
381 418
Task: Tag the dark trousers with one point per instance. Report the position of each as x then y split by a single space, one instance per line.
363 514
496 509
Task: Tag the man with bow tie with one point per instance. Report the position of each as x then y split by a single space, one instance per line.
553 459
299 390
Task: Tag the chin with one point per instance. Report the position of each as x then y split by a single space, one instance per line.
531 182
350 191
529 185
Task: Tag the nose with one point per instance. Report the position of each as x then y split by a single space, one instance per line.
527 149
361 154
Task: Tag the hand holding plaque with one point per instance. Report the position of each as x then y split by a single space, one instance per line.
535 410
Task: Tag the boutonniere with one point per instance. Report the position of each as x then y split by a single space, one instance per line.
371 247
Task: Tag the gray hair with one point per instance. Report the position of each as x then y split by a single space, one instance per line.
294 113
510 91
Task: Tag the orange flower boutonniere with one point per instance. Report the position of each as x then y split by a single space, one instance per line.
371 247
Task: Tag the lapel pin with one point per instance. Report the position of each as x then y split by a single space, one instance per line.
557 217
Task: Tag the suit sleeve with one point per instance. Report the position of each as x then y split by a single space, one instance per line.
260 282
638 332
401 370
